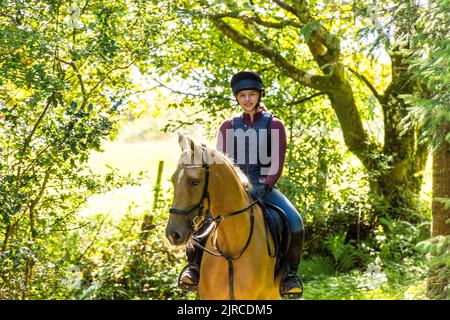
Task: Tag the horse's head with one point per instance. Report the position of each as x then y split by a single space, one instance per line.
190 181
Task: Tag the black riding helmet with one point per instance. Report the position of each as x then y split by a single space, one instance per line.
246 80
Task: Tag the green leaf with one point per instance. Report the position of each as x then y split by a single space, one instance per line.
309 28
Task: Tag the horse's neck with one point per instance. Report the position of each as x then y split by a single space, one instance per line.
226 190
228 196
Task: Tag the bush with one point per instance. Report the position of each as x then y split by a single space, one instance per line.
117 260
438 252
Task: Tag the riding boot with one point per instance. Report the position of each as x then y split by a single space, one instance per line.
190 274
291 284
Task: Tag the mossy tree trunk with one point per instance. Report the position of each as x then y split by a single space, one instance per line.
441 188
405 158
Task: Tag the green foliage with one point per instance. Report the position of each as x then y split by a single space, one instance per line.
391 269
430 64
317 266
373 284
63 74
64 82
44 180
344 254
396 239
438 251
330 192
116 259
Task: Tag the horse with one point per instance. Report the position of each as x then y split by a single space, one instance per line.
236 261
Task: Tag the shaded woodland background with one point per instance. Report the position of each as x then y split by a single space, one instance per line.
92 93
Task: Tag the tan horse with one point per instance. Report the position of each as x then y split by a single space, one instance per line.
218 186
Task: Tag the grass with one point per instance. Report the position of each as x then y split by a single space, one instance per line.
132 158
358 285
388 280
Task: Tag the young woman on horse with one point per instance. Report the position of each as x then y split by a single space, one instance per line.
256 141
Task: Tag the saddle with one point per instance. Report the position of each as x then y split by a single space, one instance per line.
276 223
276 226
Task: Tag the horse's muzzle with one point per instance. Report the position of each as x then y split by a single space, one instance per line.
175 237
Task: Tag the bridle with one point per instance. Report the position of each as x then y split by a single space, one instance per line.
217 220
205 194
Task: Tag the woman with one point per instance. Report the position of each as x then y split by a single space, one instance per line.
256 141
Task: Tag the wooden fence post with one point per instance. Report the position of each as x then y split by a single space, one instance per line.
148 218
158 184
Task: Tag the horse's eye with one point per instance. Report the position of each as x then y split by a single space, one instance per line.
195 182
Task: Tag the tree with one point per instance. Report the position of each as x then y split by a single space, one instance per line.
64 74
431 65
317 45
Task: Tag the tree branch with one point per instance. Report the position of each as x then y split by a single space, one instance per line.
286 7
280 24
38 122
325 49
84 7
124 67
324 46
35 202
80 80
77 73
367 83
176 91
321 83
305 99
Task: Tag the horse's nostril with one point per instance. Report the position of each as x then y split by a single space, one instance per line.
174 236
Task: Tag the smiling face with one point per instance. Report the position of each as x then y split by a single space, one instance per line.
248 99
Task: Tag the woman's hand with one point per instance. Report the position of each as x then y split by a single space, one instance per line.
260 191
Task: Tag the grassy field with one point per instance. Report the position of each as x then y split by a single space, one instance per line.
132 158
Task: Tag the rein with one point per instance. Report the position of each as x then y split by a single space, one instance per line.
217 220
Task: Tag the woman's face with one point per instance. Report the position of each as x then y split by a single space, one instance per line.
248 99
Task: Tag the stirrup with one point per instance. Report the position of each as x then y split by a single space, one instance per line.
295 291
186 274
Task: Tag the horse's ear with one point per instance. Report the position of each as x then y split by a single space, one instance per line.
185 143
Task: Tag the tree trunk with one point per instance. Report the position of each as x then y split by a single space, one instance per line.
440 214
441 188
400 183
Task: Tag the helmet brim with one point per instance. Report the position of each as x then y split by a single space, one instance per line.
247 84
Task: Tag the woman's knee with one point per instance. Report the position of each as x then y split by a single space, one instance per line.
295 221
292 215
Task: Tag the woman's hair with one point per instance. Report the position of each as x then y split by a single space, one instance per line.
263 106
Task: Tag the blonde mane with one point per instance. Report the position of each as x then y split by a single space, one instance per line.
240 176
